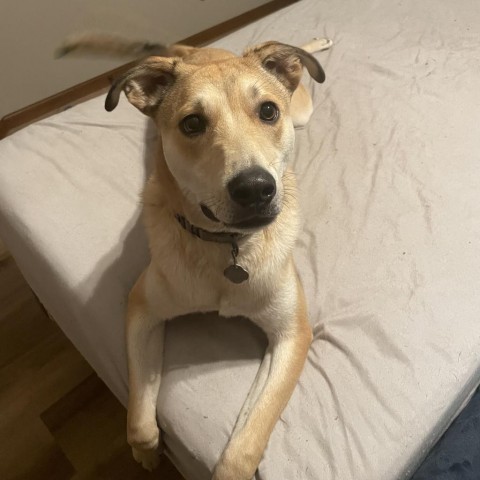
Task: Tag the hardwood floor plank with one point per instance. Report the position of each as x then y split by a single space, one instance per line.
4 253
29 452
22 321
38 378
89 425
58 421
58 414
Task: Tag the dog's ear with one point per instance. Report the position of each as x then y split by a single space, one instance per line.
286 63
145 85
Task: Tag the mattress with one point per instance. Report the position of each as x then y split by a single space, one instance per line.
388 170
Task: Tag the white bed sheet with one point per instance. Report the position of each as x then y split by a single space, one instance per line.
389 174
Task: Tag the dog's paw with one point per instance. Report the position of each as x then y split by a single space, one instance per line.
317 45
322 43
149 459
146 444
143 436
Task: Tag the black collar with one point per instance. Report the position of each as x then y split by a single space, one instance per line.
219 237
235 273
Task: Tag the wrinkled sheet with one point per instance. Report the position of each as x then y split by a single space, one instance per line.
389 180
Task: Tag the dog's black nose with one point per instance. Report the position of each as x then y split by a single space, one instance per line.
254 187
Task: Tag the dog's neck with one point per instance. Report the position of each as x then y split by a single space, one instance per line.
220 237
234 272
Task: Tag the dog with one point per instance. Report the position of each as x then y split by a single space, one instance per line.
221 214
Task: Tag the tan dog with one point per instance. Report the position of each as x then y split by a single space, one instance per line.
221 215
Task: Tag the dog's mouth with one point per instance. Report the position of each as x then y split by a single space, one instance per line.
208 213
251 221
258 221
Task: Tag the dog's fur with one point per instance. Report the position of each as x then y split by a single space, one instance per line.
186 273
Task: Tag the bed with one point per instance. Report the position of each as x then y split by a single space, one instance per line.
388 170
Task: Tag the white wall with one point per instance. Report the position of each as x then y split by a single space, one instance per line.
30 30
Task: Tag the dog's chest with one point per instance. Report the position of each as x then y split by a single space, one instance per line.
180 290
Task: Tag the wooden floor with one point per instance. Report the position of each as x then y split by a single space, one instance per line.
58 421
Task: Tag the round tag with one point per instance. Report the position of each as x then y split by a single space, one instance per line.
236 274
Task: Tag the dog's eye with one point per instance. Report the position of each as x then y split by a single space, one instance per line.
193 125
268 112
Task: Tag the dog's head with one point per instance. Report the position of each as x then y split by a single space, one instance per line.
225 126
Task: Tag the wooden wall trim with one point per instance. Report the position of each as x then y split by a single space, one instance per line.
77 93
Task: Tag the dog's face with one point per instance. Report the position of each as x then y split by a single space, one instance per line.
226 129
227 136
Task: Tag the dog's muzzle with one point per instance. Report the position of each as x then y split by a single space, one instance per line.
252 192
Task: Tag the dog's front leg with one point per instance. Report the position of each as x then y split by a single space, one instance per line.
145 334
255 390
270 393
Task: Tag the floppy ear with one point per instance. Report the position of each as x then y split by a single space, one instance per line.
286 63
145 85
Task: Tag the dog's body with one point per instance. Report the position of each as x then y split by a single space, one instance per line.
226 137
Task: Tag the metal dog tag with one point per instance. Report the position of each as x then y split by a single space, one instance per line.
236 273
